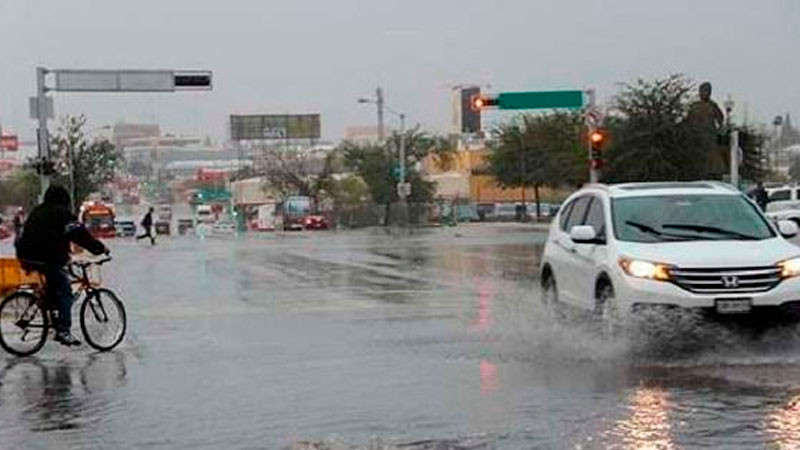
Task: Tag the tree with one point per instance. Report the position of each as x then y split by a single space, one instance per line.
22 188
794 169
377 165
532 151
291 171
753 166
93 164
650 137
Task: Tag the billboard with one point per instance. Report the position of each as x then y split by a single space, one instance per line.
275 126
9 142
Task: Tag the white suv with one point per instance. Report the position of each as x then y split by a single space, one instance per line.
616 249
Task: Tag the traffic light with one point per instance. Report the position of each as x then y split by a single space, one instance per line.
478 102
597 140
192 80
470 117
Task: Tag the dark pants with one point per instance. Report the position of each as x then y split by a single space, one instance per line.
59 292
148 234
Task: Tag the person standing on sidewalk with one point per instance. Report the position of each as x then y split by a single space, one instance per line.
147 224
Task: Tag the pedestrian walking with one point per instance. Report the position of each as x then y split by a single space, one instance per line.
761 196
19 221
147 224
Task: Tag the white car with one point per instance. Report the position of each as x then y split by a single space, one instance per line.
784 210
224 227
614 250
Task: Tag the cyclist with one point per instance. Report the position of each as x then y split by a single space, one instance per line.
44 247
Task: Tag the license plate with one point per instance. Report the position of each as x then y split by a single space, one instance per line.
734 305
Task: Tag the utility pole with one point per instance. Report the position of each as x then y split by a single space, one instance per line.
735 158
379 103
44 138
402 187
590 125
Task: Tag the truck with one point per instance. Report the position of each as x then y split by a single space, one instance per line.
267 218
98 217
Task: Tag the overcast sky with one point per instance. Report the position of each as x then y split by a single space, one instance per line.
320 55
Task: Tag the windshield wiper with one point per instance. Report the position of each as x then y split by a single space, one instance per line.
711 229
650 230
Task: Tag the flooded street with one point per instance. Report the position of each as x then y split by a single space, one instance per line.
368 340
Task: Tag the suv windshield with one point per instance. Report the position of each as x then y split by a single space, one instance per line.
687 217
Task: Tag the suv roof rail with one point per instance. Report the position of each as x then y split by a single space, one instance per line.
601 186
721 184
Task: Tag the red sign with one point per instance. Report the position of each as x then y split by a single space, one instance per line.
9 142
210 175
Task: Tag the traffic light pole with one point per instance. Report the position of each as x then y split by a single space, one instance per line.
379 103
43 136
594 175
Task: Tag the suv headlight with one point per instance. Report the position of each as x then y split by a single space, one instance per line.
649 270
790 267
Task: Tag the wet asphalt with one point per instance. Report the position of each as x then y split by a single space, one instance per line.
371 339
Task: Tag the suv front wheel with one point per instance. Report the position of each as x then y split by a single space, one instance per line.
607 311
550 296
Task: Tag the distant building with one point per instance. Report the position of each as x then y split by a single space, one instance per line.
364 134
467 178
123 133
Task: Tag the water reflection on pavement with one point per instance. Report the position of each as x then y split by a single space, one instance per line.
372 340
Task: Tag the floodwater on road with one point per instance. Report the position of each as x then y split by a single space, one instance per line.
372 340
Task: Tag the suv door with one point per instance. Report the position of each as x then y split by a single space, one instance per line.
566 264
588 257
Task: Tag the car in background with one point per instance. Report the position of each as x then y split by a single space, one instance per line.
125 227
315 222
224 226
184 225
782 193
784 210
162 227
485 211
205 214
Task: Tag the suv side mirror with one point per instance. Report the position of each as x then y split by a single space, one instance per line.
584 234
787 228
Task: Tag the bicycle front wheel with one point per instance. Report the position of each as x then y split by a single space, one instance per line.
103 319
23 324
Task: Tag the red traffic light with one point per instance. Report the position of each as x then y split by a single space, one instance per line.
479 102
597 137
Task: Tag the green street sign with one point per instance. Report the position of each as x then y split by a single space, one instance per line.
540 100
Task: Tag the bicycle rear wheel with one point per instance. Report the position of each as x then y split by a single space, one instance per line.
23 324
103 319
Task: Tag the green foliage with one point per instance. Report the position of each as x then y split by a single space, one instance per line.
794 169
539 150
20 189
375 163
93 164
650 138
753 165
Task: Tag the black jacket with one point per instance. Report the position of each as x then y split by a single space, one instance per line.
147 220
49 230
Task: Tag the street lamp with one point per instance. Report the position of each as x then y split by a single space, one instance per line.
402 187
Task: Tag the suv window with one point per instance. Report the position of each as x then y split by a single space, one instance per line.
596 218
784 194
578 212
564 217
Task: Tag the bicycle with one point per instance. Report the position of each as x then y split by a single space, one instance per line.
26 315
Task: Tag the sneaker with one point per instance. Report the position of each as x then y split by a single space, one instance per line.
66 338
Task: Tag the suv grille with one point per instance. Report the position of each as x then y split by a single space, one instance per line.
726 280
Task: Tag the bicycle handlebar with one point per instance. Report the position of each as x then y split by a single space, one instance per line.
93 262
